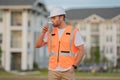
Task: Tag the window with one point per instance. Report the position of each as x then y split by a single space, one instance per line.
95 39
16 39
82 26
109 38
118 27
16 18
29 19
84 38
109 49
28 45
0 38
106 49
118 51
1 16
29 39
109 27
94 27
118 39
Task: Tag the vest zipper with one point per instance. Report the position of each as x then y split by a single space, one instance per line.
58 52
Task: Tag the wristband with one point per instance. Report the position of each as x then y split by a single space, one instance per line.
75 67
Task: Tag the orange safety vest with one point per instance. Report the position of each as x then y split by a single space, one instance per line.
63 51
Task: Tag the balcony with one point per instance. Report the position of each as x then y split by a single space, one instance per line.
118 28
118 52
94 28
95 40
16 39
0 38
16 18
118 40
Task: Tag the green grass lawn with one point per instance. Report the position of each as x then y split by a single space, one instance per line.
2 73
97 74
44 72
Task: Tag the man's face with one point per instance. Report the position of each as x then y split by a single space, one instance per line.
56 20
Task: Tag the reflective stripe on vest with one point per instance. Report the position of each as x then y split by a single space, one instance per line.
71 37
63 54
50 42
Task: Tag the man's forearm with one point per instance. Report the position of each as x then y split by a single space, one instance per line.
80 55
40 42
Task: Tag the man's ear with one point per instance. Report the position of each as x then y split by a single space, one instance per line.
62 17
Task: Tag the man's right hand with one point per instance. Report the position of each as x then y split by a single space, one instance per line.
39 42
45 28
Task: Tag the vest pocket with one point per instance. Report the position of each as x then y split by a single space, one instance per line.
53 62
66 61
65 51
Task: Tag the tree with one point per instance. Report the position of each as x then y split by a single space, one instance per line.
0 55
95 54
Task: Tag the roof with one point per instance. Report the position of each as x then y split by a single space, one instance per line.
24 4
107 13
16 2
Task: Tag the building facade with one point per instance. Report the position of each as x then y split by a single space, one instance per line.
99 27
20 22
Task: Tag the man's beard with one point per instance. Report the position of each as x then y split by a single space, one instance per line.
56 25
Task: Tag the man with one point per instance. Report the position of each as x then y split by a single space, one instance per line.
65 46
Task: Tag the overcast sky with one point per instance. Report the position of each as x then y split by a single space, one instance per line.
67 4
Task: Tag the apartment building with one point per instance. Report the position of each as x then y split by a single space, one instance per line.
99 27
20 22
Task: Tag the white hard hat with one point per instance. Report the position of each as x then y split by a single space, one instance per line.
57 11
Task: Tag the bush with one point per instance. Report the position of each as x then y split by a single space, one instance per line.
95 54
0 55
35 65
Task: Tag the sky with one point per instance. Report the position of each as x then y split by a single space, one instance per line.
68 4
